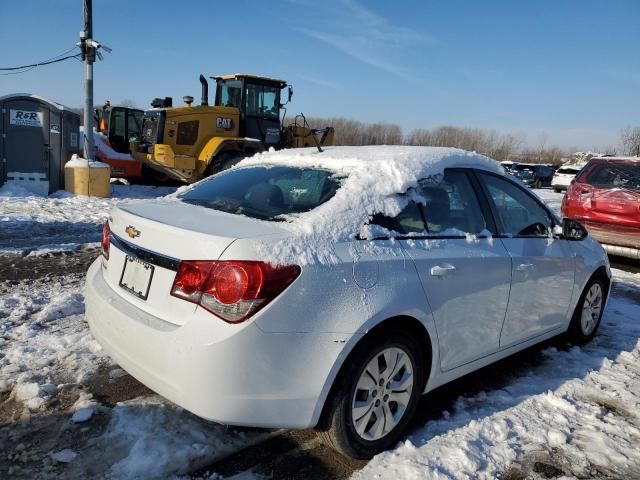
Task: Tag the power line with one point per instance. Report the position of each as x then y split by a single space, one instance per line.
48 61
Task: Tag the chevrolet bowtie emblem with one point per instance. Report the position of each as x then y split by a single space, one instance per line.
132 232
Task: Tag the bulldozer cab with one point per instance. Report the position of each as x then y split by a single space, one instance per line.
258 99
121 125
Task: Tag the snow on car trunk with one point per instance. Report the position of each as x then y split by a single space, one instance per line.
148 241
182 230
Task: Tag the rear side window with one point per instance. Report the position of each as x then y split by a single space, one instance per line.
409 220
266 193
452 206
448 207
568 171
614 175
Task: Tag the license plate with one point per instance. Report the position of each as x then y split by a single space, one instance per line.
136 277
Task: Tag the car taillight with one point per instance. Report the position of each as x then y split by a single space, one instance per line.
105 243
189 281
232 290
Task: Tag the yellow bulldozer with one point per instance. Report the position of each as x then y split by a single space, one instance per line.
190 142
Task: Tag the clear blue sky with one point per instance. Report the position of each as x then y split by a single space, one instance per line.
562 72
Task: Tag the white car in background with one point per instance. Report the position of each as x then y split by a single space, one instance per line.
330 290
563 177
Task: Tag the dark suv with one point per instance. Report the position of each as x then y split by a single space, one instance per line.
540 176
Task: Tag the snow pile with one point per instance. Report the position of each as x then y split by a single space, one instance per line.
14 189
44 339
577 410
160 438
64 456
374 177
79 162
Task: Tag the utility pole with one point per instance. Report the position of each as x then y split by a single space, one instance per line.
88 54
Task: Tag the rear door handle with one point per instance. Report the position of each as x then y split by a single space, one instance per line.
440 270
524 267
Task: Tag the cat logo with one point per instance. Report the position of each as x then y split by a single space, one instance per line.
132 232
226 123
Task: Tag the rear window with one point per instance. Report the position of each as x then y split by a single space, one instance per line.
570 171
614 175
266 193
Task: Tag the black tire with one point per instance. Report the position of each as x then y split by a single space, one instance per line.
341 433
154 177
576 333
224 161
558 190
538 184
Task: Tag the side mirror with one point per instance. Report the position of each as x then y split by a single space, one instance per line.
290 90
572 230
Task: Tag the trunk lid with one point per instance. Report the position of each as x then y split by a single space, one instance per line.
151 238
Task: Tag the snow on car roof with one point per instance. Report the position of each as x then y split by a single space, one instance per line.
374 178
617 159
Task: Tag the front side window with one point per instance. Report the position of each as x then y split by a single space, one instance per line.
266 193
118 127
134 124
519 213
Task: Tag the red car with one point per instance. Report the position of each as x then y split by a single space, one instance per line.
605 198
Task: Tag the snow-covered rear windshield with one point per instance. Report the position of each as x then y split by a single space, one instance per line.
615 175
266 193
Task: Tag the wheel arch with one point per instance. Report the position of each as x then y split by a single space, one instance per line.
404 323
601 272
216 145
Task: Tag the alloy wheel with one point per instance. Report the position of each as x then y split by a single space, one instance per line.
382 393
591 308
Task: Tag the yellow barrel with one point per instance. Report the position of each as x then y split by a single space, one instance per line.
82 177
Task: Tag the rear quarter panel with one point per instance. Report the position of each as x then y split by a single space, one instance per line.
590 256
363 288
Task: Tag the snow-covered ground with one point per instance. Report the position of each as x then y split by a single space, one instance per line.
551 198
61 221
50 370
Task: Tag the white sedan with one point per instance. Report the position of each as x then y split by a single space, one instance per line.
563 177
330 290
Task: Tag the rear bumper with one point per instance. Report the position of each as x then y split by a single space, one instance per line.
248 378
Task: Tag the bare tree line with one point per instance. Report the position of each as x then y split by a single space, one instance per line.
500 146
489 142
631 140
